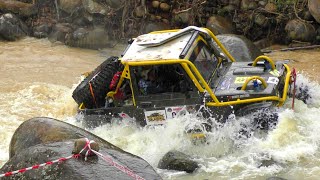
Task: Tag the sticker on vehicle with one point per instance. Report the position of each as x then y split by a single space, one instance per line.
172 112
240 80
273 80
156 117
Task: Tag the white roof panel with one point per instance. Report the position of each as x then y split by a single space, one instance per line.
169 50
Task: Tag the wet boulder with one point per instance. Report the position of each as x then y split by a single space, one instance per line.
241 48
12 28
314 8
42 30
41 140
60 32
267 162
220 25
89 38
175 160
18 8
43 130
300 31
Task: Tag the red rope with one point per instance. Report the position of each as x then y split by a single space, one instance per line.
87 147
38 166
92 94
122 168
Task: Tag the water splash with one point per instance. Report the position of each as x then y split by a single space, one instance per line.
290 150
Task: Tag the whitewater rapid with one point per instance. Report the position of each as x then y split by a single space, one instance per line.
292 147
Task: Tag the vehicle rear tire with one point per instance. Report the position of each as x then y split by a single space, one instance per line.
99 81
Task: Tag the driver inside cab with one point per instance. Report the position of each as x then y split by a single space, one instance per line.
150 82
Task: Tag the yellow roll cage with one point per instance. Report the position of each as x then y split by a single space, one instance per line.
199 81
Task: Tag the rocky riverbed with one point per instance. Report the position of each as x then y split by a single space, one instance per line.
101 23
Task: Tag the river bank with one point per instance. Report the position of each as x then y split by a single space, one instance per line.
305 61
98 24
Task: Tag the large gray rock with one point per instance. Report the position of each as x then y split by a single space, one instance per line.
314 8
241 48
40 140
12 28
96 38
175 160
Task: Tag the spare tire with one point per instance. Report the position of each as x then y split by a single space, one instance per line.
99 80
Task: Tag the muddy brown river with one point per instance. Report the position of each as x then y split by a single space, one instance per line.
37 79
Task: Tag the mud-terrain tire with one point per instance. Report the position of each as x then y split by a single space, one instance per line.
99 79
263 115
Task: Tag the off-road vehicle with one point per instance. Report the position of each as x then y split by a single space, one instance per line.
191 70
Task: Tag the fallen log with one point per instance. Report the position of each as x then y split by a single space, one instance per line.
291 48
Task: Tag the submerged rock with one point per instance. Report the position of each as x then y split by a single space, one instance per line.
40 140
42 30
89 38
267 162
175 160
60 31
